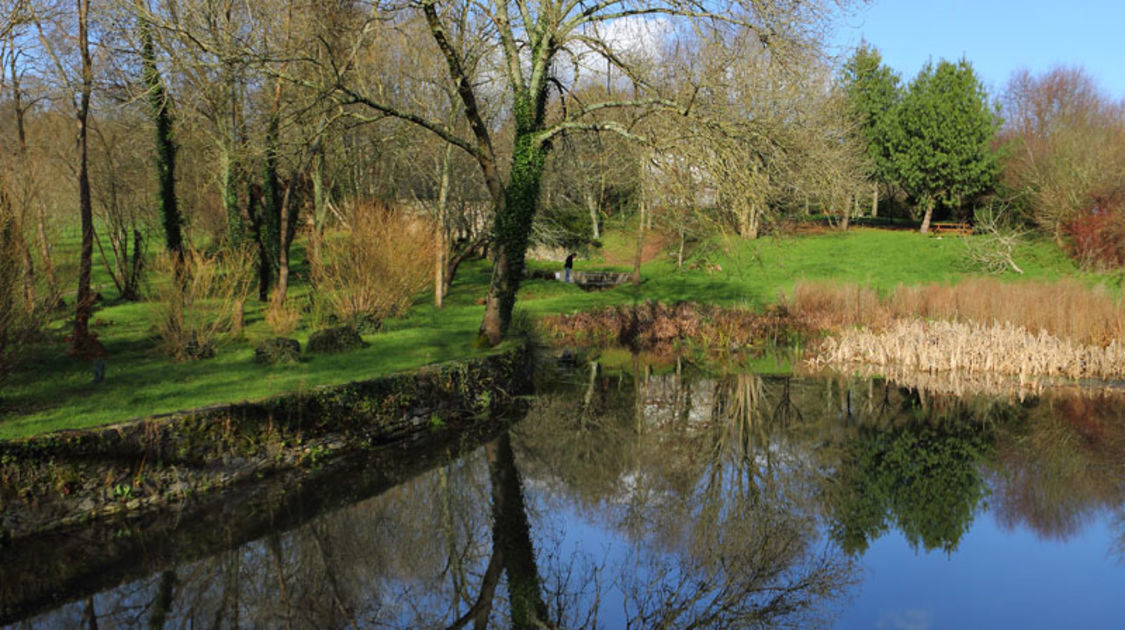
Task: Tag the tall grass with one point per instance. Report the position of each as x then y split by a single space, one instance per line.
375 270
1065 309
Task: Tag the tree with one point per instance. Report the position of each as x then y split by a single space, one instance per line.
533 43
943 154
1066 144
84 307
161 105
873 96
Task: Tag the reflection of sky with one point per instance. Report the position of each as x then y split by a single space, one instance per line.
995 579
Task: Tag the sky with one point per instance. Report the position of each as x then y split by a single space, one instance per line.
998 37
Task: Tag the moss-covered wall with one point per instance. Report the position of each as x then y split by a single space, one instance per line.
59 479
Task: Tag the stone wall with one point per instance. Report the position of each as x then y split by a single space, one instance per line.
60 479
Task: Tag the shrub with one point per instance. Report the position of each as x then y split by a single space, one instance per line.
281 317
338 339
1097 238
375 269
11 311
23 308
278 350
204 303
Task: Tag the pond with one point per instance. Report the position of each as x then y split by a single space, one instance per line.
659 496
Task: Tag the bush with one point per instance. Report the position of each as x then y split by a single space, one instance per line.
11 272
278 350
338 339
22 312
204 303
1097 237
281 317
374 270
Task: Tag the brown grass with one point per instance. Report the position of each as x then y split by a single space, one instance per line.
1063 309
375 270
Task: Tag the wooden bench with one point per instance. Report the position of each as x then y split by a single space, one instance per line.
949 227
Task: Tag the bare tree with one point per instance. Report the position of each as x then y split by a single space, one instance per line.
533 43
1067 144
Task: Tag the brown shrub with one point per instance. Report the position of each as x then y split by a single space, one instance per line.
1096 237
374 270
191 314
11 272
281 317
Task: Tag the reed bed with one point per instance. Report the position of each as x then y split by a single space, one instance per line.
1065 309
956 346
970 384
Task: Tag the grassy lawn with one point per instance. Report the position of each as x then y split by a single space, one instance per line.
53 391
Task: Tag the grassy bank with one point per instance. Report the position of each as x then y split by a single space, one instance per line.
52 391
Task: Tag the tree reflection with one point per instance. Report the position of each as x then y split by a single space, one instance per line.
922 478
737 501
718 508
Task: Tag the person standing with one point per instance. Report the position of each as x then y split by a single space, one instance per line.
567 267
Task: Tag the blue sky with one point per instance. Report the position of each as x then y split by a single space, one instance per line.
997 36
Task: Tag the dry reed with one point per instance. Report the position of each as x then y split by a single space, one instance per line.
935 346
375 270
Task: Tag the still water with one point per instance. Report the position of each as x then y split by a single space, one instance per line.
659 497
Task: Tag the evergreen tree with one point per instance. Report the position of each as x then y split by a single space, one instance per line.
874 93
942 155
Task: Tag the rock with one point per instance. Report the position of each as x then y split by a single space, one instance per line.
278 350
339 339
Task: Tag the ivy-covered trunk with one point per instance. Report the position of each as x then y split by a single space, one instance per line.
512 231
511 537
269 234
165 146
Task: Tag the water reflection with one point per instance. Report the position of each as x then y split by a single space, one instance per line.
657 497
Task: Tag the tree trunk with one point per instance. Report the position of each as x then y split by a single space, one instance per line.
84 306
680 252
592 207
270 230
440 235
640 245
165 148
874 200
237 220
320 211
927 217
511 232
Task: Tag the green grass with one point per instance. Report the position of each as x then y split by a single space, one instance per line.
53 391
